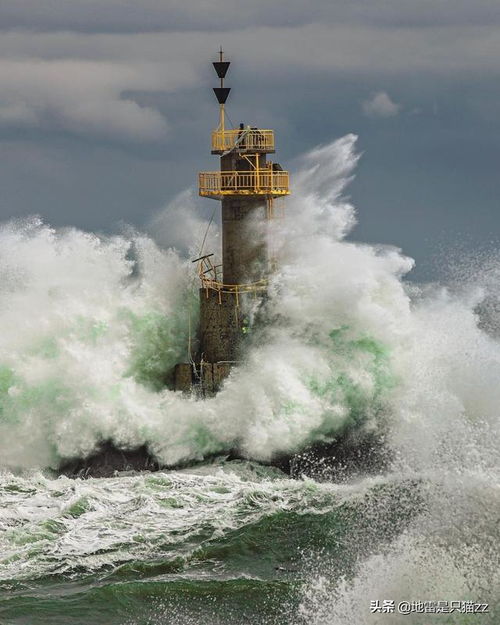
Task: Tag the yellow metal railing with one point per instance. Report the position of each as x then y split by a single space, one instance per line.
258 182
247 139
235 289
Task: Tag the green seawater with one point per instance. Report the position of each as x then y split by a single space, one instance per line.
225 543
91 327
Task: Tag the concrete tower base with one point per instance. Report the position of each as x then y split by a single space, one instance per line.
205 378
219 336
223 321
220 326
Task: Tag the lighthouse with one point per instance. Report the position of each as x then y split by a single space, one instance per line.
233 280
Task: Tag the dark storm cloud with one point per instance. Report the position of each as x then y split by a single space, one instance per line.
85 83
88 82
105 105
181 15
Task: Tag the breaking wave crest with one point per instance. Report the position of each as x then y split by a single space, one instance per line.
92 326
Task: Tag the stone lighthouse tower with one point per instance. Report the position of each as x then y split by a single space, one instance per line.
247 185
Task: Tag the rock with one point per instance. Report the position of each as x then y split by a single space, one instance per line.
348 455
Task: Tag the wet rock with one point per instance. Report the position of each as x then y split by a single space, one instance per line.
346 456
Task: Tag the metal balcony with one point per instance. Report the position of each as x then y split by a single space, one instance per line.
249 139
217 184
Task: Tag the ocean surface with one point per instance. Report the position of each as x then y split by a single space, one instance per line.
92 325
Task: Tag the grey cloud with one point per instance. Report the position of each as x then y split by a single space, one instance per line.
80 78
17 113
223 15
380 105
148 15
180 58
89 83
79 96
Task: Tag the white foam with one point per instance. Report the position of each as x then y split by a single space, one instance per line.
87 334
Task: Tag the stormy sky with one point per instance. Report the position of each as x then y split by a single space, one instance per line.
106 107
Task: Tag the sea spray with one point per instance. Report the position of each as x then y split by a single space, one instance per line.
89 329
79 322
92 329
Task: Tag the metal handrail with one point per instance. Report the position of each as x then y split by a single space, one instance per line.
261 182
250 287
234 289
245 139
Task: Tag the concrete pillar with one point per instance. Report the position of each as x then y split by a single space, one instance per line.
183 377
220 329
244 252
244 249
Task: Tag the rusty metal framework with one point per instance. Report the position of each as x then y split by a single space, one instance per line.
251 139
210 277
